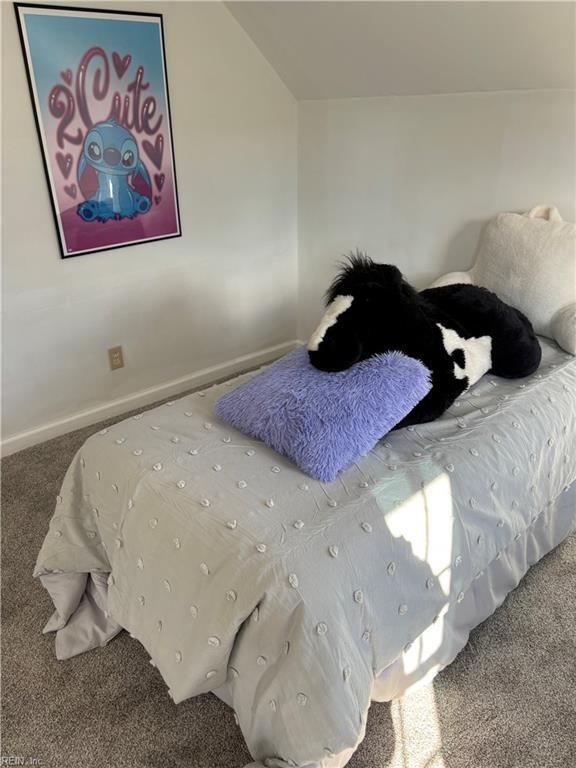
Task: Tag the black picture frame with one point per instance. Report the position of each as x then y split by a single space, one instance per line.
120 220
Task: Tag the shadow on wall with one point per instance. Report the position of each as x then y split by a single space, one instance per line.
461 249
459 254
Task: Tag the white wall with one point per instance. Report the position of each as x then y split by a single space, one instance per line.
412 179
226 289
350 49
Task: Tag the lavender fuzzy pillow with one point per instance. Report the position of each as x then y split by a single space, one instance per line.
324 421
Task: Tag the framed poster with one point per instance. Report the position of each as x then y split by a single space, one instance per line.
99 89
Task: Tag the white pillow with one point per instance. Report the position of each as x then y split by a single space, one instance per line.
529 261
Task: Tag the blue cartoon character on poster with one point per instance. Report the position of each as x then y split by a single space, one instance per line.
111 175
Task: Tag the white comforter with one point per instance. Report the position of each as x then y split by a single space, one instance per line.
234 569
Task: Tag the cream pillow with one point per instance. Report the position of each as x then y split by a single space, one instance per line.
529 261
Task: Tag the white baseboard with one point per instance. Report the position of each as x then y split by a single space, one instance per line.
17 442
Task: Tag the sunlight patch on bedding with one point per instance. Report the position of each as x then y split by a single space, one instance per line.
424 648
426 521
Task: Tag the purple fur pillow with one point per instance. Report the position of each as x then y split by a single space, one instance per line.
324 421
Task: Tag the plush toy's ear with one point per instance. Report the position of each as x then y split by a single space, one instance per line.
87 178
141 180
389 274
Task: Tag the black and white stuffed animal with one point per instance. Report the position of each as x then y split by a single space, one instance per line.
460 332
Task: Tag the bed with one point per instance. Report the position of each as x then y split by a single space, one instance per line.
296 602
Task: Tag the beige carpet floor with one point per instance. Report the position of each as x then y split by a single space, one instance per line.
508 701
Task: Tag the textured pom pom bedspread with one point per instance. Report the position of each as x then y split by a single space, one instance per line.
295 601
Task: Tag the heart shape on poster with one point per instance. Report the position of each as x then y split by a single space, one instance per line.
159 178
64 163
121 64
155 151
71 190
66 75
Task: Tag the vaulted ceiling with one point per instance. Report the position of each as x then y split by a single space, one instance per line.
351 49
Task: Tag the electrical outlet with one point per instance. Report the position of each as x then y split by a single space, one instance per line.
115 358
